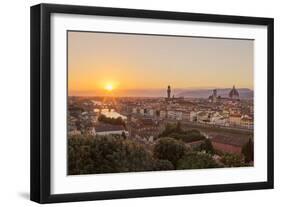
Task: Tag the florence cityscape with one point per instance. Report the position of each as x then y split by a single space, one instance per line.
152 103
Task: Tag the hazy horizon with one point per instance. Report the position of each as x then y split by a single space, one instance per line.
123 63
177 92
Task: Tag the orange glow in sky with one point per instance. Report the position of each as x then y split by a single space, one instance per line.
102 62
109 87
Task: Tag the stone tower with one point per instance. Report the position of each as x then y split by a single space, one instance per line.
169 92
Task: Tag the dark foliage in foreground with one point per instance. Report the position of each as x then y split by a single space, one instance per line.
115 154
79 154
111 154
232 160
194 160
169 149
207 147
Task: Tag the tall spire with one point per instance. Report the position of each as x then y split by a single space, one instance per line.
169 92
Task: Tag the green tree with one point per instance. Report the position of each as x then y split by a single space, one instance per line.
113 121
207 147
176 131
195 160
169 149
248 151
232 160
113 154
78 154
109 154
163 165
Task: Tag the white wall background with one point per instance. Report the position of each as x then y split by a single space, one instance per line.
14 101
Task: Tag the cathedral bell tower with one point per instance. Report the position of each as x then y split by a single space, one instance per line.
169 92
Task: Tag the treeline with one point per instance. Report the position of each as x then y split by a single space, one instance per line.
176 131
113 121
112 154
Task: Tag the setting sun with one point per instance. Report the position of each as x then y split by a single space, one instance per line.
109 87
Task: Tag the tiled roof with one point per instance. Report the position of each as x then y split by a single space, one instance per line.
235 141
147 122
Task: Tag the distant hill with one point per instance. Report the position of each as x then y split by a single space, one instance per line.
244 93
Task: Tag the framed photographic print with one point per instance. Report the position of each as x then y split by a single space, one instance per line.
133 103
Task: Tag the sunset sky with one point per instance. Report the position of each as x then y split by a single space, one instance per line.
123 63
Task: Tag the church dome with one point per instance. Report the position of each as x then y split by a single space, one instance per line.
233 93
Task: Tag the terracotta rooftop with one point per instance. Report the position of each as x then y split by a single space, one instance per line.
235 141
147 122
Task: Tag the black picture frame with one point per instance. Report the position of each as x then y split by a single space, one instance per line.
41 98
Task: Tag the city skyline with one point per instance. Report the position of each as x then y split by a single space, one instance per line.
162 93
123 64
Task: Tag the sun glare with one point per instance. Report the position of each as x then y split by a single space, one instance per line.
109 87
